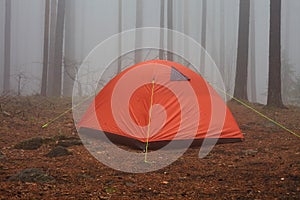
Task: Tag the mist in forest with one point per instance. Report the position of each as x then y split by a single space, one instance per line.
85 24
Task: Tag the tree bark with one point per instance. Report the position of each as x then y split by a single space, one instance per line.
162 25
71 65
119 68
58 50
186 26
287 22
274 85
7 46
170 27
214 44
252 54
240 90
222 38
203 36
45 49
51 65
138 36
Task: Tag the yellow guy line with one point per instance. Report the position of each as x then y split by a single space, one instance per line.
261 114
64 113
149 122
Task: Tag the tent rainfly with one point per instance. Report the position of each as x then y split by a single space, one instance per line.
158 101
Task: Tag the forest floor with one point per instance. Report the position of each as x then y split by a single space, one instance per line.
266 165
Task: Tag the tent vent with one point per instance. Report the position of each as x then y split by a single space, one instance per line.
177 75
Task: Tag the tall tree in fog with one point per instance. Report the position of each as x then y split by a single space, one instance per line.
222 38
70 65
287 79
162 25
138 24
119 68
59 40
287 23
203 35
7 44
58 50
252 54
274 85
45 49
287 68
240 89
215 46
186 25
52 32
170 27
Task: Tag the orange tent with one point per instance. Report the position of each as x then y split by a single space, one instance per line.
158 101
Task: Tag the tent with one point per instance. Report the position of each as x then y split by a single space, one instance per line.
158 101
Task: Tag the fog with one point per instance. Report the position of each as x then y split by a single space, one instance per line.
88 23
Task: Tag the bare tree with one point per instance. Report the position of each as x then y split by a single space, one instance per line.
170 27
222 38
252 54
186 25
287 29
240 90
20 77
203 35
70 71
274 84
288 79
7 46
214 50
70 68
162 25
46 49
57 65
59 40
119 68
52 32
296 92
138 24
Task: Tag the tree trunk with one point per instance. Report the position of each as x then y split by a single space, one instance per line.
287 22
138 36
58 49
162 25
170 27
252 54
222 39
287 72
70 65
274 85
240 90
186 26
51 65
119 68
45 49
214 44
203 36
7 46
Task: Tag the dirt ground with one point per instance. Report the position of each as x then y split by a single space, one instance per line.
266 165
